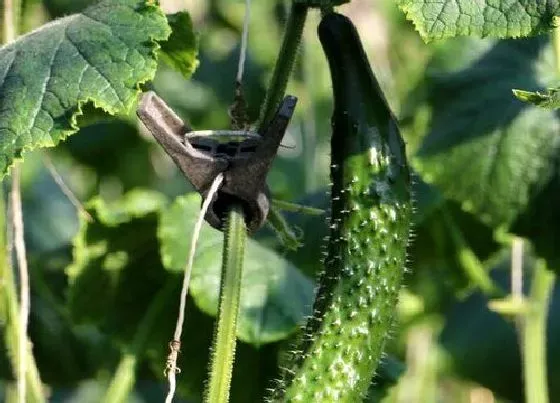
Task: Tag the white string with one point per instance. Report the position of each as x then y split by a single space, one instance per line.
243 51
171 366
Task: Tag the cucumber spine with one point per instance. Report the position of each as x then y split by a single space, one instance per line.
369 229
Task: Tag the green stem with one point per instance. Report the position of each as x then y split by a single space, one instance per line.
556 42
225 338
9 318
534 335
125 376
296 208
284 63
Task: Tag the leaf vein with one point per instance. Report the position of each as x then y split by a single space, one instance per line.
43 90
92 66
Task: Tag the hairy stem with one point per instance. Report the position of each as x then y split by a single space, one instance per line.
534 335
226 333
284 63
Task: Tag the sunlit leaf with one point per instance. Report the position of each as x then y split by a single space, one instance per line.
437 19
98 56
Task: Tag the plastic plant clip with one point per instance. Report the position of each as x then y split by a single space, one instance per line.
244 157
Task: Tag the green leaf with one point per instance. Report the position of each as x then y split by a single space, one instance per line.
116 272
99 56
485 149
180 50
549 99
438 19
275 296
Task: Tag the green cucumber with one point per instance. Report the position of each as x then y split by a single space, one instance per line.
369 230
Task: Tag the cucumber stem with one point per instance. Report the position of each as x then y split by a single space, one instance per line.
284 63
226 334
534 335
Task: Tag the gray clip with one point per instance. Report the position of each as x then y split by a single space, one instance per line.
201 157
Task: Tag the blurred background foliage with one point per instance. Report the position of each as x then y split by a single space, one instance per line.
108 288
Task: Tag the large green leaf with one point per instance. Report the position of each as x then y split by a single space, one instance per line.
437 19
275 296
486 149
98 56
116 272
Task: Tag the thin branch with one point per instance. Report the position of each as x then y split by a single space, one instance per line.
517 281
9 33
9 310
19 243
64 188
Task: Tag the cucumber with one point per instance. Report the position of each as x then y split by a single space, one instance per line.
369 231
